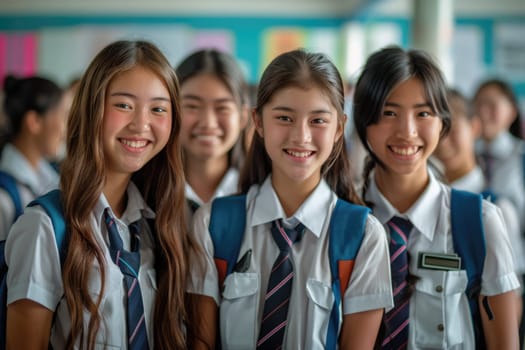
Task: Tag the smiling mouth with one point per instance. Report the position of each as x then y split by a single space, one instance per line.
302 154
404 151
134 143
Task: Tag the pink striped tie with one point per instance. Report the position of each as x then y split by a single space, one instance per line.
275 314
396 320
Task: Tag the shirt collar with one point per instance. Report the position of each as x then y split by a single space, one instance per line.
312 213
500 147
418 214
227 186
136 207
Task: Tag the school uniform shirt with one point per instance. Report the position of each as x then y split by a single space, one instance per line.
507 177
31 183
439 312
227 186
475 182
242 298
34 272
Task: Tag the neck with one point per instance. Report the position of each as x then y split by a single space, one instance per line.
30 151
292 194
115 192
205 176
452 174
402 191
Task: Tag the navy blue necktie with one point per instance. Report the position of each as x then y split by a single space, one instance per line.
396 320
277 299
129 263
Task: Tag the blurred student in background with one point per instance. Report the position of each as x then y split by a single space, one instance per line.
215 105
36 112
500 147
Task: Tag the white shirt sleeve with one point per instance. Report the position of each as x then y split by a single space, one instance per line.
33 261
370 286
203 279
498 272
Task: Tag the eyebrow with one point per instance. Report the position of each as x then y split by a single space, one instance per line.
198 98
127 94
288 109
417 105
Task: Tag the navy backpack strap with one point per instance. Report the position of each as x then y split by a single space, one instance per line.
347 228
227 222
51 202
9 183
469 242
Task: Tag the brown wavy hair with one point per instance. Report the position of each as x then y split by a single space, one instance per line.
302 69
160 181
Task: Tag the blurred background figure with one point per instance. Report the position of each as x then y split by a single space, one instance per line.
36 112
215 106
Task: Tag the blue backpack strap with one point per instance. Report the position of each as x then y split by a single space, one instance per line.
9 183
469 242
227 222
347 228
51 202
489 195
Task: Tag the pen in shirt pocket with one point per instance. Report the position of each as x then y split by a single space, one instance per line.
244 263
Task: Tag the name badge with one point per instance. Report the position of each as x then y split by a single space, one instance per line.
436 261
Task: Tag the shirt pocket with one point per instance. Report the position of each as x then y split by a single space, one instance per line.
319 306
238 311
439 309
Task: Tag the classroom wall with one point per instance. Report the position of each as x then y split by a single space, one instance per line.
58 38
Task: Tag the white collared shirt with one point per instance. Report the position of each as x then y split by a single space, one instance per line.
475 182
508 178
439 300
31 183
35 273
242 301
227 186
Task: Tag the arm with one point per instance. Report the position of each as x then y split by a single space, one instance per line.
204 323
28 325
359 330
501 332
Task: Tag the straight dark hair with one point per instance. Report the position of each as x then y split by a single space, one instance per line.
304 70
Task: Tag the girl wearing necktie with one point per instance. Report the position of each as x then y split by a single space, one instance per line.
401 113
281 295
116 284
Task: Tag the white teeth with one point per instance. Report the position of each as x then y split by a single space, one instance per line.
134 144
405 151
299 154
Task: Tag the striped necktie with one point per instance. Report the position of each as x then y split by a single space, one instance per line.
277 299
396 320
129 264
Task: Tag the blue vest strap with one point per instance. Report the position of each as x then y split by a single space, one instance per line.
9 183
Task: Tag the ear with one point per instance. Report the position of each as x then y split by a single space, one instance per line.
340 128
257 122
33 122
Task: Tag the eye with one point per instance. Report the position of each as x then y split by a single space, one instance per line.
123 105
319 121
159 109
190 106
425 114
389 113
283 118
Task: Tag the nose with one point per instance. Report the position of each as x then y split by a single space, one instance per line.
208 117
407 126
141 120
301 132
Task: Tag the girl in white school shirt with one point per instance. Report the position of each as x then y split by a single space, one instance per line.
36 112
295 171
122 160
400 113
214 106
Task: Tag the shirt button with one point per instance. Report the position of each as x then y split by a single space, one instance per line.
440 327
439 289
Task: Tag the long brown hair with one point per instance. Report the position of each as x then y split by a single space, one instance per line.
302 69
160 181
